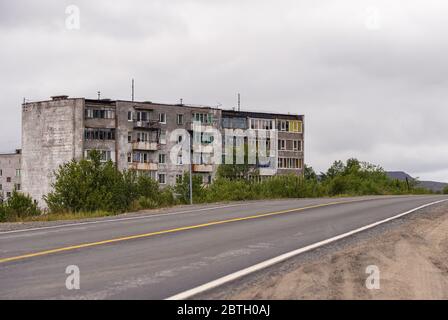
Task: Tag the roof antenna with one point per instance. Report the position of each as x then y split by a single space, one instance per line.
99 95
132 89
239 102
181 101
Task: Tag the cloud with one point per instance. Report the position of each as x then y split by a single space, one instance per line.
374 93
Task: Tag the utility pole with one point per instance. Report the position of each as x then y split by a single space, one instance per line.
239 102
132 90
191 170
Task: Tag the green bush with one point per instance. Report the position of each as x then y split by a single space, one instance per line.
445 190
18 206
182 189
90 185
2 213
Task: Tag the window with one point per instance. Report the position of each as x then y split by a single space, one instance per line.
129 137
297 145
102 113
162 178
283 125
129 157
289 163
203 117
8 194
199 158
179 159
1 187
1 172
142 115
18 186
162 158
282 144
162 138
162 117
142 137
261 124
106 155
180 119
99 134
179 178
142 157
130 118
295 126
8 179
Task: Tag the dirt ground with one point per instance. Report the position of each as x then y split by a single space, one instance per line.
412 259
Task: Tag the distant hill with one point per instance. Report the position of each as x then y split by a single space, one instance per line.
432 185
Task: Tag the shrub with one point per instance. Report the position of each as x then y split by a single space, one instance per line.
90 185
19 206
445 190
2 213
182 189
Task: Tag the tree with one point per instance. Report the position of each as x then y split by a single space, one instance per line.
445 190
182 188
90 185
19 205
336 169
238 171
309 174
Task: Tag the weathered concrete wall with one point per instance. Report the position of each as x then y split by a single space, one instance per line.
124 127
10 174
52 134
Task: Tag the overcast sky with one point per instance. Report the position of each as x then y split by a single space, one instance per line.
371 77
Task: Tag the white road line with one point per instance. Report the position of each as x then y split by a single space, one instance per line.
118 219
262 265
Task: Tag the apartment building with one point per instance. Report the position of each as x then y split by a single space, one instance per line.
288 146
10 174
152 138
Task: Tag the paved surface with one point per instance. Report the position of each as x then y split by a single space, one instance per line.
154 257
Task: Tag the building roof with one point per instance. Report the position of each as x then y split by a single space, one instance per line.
226 112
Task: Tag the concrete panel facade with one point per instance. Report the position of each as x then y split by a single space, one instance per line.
52 134
10 174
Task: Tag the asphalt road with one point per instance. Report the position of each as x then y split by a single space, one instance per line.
157 256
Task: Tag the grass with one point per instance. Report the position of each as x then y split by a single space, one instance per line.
62 216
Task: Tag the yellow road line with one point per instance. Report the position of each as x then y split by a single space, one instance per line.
145 235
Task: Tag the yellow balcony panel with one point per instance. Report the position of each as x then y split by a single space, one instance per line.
202 168
143 166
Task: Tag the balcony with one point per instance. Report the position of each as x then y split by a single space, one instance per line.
149 166
203 147
267 171
148 124
145 145
190 125
202 168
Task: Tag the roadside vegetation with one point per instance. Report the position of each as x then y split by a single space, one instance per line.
88 188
